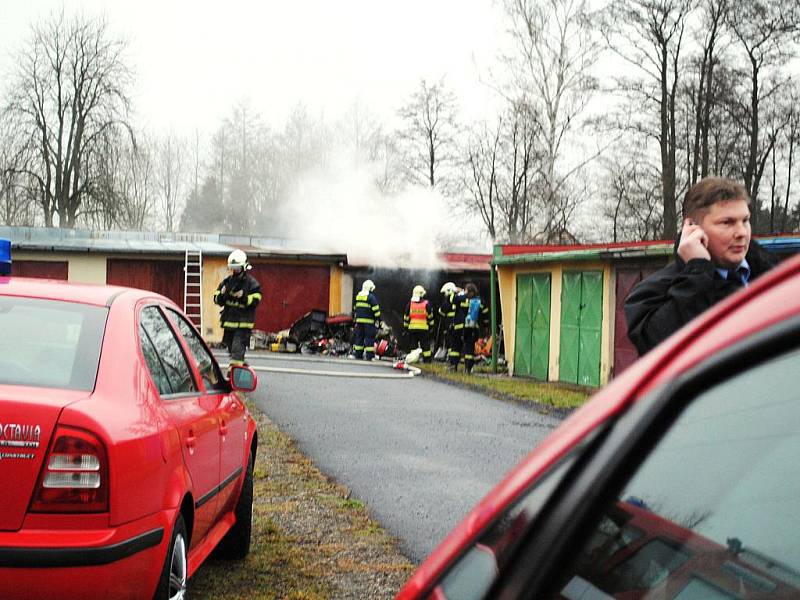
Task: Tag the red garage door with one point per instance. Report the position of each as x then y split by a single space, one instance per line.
625 353
288 292
164 277
43 269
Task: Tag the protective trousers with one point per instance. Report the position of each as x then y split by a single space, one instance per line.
236 340
420 338
364 340
468 347
454 347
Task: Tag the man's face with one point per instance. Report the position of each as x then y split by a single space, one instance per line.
727 225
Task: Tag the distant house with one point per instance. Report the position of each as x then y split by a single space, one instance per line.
562 306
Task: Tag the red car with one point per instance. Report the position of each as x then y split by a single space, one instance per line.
680 480
126 456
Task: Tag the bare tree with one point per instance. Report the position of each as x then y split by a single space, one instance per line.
17 205
765 31
551 71
631 194
69 89
502 175
123 194
481 173
710 36
170 167
792 133
429 133
648 35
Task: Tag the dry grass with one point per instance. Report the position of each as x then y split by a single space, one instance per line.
547 396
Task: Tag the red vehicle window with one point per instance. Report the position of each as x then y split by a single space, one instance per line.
209 371
168 353
55 344
714 506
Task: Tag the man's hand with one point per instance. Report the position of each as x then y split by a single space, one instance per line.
694 242
237 293
222 290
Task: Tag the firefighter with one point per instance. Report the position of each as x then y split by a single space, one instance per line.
476 315
367 314
418 322
238 294
447 312
470 312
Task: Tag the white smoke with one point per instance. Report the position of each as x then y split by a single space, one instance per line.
340 209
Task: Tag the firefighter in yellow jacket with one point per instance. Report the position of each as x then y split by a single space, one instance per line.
239 295
418 322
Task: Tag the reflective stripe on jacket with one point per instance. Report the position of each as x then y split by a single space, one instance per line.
239 311
366 308
418 315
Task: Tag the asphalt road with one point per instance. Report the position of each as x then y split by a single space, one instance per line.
418 452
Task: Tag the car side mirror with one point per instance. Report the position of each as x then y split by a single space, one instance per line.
243 379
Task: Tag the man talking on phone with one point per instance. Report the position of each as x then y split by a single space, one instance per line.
714 257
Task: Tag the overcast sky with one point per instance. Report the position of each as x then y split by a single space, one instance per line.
195 59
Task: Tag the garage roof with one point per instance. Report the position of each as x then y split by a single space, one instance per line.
145 242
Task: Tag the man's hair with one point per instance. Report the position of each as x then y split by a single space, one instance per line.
471 289
707 192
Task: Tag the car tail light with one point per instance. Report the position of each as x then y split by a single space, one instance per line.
74 476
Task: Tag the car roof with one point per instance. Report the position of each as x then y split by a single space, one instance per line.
85 293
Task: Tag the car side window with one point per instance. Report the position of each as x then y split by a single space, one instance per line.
168 351
154 365
212 378
713 511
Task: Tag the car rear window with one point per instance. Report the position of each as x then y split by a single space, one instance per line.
49 343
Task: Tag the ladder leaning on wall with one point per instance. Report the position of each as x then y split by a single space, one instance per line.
193 288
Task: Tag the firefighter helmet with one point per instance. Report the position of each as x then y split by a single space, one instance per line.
418 292
237 260
449 288
368 286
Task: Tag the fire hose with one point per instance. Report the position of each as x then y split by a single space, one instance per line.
400 365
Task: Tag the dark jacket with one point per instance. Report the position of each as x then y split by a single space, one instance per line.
366 308
238 312
664 302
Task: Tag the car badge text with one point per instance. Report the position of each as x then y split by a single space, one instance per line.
16 435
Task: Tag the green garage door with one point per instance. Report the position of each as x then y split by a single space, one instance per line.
532 340
581 324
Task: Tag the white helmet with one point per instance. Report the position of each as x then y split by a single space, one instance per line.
449 288
368 286
237 260
418 292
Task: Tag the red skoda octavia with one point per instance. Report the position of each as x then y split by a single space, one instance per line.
126 456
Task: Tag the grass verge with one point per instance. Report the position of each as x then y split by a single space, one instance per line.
547 396
311 541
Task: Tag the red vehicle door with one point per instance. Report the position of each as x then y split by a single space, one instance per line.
192 413
230 412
